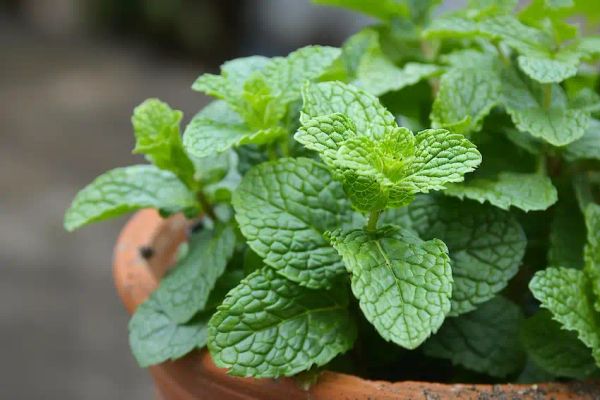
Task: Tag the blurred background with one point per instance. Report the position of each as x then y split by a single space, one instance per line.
71 71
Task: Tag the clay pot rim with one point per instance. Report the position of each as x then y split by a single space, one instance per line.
135 279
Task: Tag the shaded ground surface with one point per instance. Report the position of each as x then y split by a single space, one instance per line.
64 118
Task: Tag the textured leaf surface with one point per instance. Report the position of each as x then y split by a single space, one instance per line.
269 326
592 249
554 349
403 284
486 245
364 110
529 192
185 290
215 129
567 294
546 69
155 338
485 340
586 148
122 190
283 209
465 97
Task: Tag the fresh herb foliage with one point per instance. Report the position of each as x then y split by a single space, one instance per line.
408 185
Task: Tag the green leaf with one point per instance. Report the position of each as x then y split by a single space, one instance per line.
529 192
451 26
486 245
548 70
215 129
592 249
269 326
186 288
364 110
567 294
382 9
525 39
554 349
155 338
403 284
156 128
122 190
283 208
586 148
465 97
555 123
485 340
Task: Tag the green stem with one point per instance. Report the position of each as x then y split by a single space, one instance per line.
271 152
503 56
372 222
547 95
284 145
206 206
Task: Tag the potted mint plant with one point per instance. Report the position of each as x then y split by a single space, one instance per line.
417 205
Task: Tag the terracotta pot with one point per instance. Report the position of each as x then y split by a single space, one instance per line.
196 377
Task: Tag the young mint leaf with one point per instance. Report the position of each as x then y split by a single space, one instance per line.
122 190
269 326
529 192
485 340
155 338
451 26
545 69
555 123
486 245
156 128
586 148
363 109
567 294
382 9
554 349
525 39
465 97
592 249
215 129
403 284
283 208
186 288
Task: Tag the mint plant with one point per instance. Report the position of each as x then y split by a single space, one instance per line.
426 192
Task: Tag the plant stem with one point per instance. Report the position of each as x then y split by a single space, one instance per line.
547 95
503 56
206 206
284 145
372 222
271 152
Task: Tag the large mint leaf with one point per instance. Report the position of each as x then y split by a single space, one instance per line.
554 349
155 338
555 123
156 128
215 129
592 249
383 9
283 208
122 190
486 245
525 39
586 148
466 95
485 340
529 192
186 288
269 326
403 284
364 110
567 294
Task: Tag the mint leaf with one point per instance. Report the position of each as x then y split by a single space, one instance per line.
465 97
567 294
525 39
363 109
269 326
529 192
215 129
586 148
485 340
486 245
186 288
554 349
592 249
126 189
283 208
155 338
383 9
555 123
548 70
403 284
